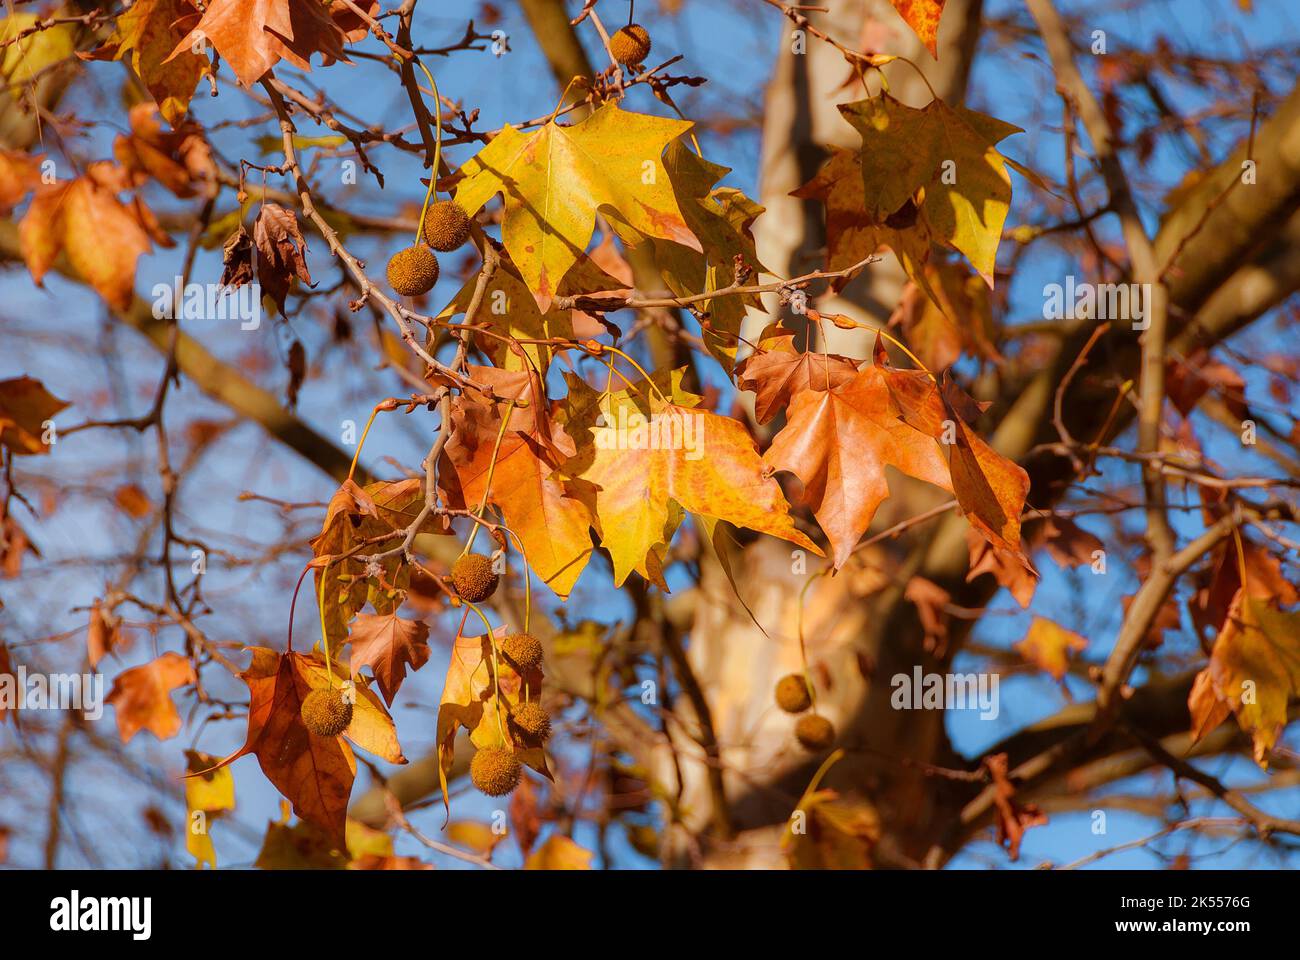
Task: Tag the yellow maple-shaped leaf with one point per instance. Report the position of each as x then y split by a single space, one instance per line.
144 36
1048 645
554 180
480 694
651 456
1255 669
951 153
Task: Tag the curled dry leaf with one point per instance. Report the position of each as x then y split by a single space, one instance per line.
280 249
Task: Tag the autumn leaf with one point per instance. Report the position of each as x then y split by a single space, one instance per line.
951 154
479 694
720 218
355 514
19 174
829 832
1069 544
775 372
554 179
559 853
949 315
853 233
650 456
1254 669
208 793
178 160
144 36
541 506
314 774
104 635
14 545
25 408
22 61
1013 818
280 249
990 488
84 220
1007 570
508 305
132 501
839 442
142 698
388 645
253 37
923 17
1048 646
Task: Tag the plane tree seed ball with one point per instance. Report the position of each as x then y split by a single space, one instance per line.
533 721
326 713
473 577
413 271
523 650
495 771
815 733
446 226
792 694
630 45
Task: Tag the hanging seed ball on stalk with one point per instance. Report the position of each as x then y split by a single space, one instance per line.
523 650
473 577
446 226
533 721
495 771
413 271
326 713
630 45
792 694
814 732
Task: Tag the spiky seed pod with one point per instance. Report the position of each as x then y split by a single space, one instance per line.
814 732
326 713
473 577
792 694
523 650
446 225
413 271
495 771
533 722
630 45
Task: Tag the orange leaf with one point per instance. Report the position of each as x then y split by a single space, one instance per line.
314 773
775 372
559 853
388 644
142 696
923 17
83 219
1047 646
839 442
25 406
